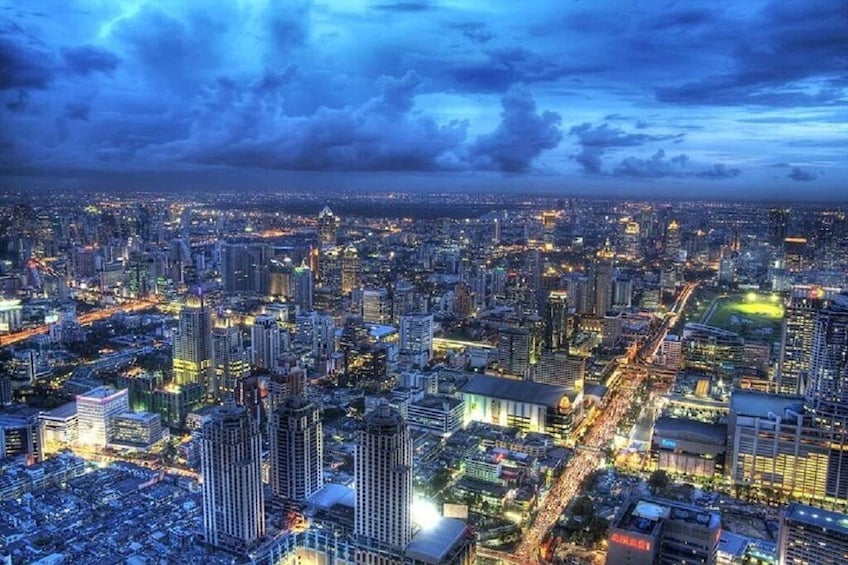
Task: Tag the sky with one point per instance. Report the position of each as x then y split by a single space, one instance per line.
742 99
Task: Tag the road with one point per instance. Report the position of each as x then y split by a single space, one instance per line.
589 453
84 320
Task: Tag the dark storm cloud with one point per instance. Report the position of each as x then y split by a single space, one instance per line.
19 102
790 42
243 128
476 32
681 19
77 111
22 66
658 166
595 141
798 174
404 7
521 136
507 66
89 59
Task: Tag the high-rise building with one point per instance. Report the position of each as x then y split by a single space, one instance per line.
327 225
672 246
330 268
245 267
622 293
376 308
514 351
560 368
383 470
811 535
265 341
416 339
601 282
96 412
778 219
827 386
231 466
296 449
556 320
403 300
228 353
797 337
192 360
303 288
280 278
351 269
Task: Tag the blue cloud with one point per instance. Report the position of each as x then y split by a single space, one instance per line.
89 59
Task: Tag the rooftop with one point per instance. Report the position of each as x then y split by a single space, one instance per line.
431 545
520 391
684 428
817 517
761 404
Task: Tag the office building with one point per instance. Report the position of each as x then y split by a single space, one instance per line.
556 320
827 386
303 288
265 341
351 269
416 339
229 356
810 535
140 430
514 351
650 531
245 267
561 369
96 413
376 308
192 359
797 337
328 224
20 436
296 440
10 315
231 466
383 470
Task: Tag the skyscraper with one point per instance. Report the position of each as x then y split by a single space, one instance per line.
265 341
601 281
230 359
303 288
231 465
514 351
416 339
383 468
797 337
296 449
351 269
556 320
376 308
192 361
327 225
827 386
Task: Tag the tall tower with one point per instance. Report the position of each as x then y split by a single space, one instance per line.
556 320
303 288
231 362
796 341
265 341
416 338
601 280
192 360
327 224
514 351
296 449
231 466
351 269
827 390
383 470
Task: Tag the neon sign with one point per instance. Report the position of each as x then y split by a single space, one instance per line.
631 542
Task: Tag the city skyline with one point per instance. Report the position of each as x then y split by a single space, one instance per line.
722 100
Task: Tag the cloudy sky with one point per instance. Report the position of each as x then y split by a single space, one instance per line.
744 98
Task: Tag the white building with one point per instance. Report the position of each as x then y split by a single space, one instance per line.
96 412
10 315
265 341
416 339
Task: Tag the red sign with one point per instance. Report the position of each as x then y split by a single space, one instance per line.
634 543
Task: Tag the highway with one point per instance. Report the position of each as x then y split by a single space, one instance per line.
84 320
590 451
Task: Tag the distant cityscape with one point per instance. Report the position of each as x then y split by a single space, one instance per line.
421 378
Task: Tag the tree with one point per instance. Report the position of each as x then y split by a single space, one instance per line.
658 481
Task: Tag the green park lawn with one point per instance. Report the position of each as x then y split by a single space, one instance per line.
749 314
